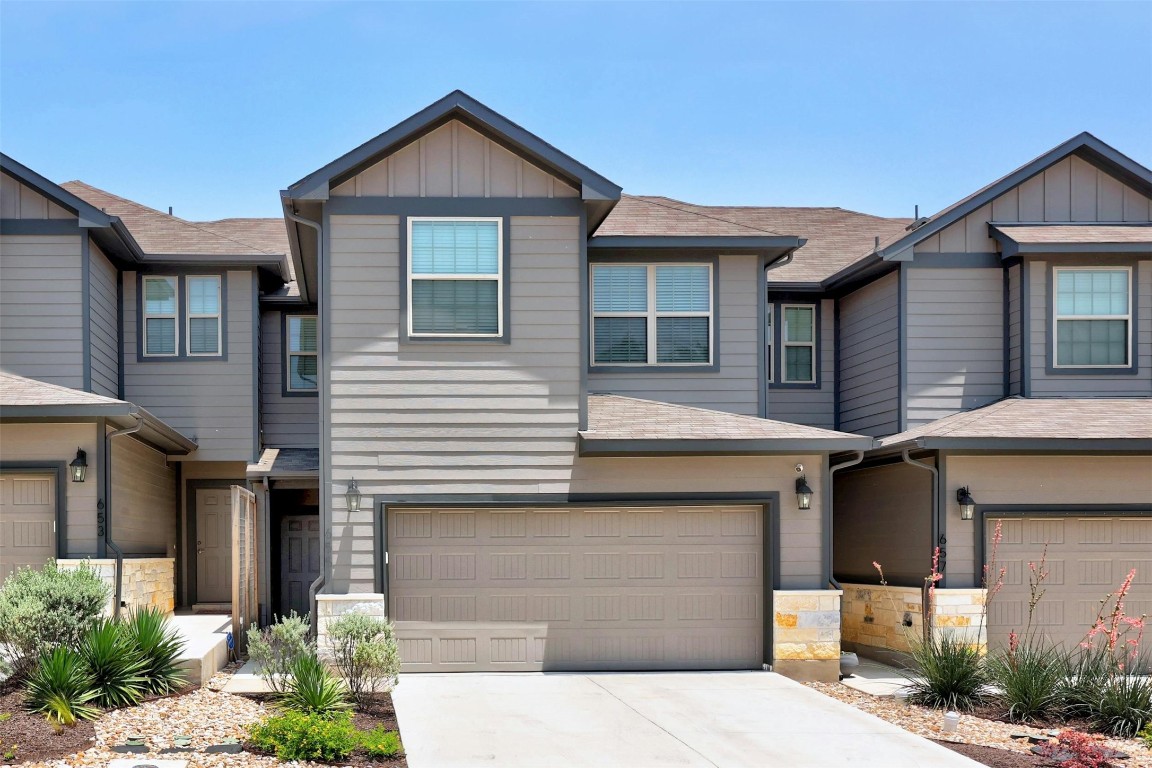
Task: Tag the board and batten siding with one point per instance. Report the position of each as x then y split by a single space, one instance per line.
812 406
1015 324
1041 384
1071 190
955 340
42 308
30 443
143 499
442 417
102 318
209 400
285 422
454 161
18 201
733 387
870 358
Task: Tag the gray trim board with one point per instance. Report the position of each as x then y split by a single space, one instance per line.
120 334
86 309
1071 445
902 346
1025 329
60 470
735 447
761 335
753 244
40 227
955 260
256 365
182 319
1133 368
1006 329
455 206
585 332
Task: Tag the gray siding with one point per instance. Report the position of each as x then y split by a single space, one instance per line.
955 343
870 358
102 311
286 422
440 418
20 202
883 514
1015 318
813 406
41 308
1113 385
733 387
143 499
209 400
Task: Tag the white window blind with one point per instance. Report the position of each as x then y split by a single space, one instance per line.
455 272
1093 318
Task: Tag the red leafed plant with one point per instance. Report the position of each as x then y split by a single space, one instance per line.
1074 749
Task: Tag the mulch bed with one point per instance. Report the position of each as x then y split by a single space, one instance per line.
31 735
996 758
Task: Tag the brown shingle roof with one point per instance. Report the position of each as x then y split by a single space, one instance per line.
267 235
19 391
1102 418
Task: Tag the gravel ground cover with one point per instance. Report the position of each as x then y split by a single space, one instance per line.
973 730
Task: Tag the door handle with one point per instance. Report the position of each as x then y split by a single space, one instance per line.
199 551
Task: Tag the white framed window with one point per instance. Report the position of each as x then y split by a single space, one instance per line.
300 351
161 316
203 322
1092 321
798 342
652 314
455 277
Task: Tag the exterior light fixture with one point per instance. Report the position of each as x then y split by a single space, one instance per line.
966 502
352 495
803 493
79 466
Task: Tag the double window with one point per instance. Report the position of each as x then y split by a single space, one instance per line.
1093 318
189 325
455 278
652 314
795 362
300 352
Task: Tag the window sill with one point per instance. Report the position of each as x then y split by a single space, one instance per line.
1127 371
662 369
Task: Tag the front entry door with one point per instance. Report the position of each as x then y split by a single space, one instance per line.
213 545
299 561
27 521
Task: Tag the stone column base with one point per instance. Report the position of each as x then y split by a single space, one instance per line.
806 634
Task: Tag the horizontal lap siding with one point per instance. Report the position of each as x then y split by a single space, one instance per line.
815 407
210 401
870 359
733 388
445 417
287 422
1015 320
955 344
42 308
143 499
102 316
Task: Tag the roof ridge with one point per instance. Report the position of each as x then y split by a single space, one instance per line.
709 216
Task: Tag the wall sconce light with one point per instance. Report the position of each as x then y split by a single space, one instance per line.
966 502
803 493
352 495
79 466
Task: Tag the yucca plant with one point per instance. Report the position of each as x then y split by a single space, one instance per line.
61 688
949 674
1123 706
114 664
311 688
159 646
1030 677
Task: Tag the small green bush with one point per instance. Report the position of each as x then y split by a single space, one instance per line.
1031 679
949 674
306 736
114 665
1123 706
41 608
365 650
379 742
61 688
159 646
1146 735
277 647
312 688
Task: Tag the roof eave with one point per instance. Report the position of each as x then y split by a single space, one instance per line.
600 447
122 414
726 244
1024 444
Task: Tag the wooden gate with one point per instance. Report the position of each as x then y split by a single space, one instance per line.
244 573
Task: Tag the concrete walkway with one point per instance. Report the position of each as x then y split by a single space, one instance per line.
642 720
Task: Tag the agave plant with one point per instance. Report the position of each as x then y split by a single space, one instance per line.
114 664
61 688
312 688
159 646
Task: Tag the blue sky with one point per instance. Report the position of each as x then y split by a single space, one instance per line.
212 107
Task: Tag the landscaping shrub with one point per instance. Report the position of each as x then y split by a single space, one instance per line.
1031 676
61 688
306 736
159 646
310 687
379 742
277 647
1073 749
114 665
46 607
1123 706
1146 735
365 650
949 674
1088 673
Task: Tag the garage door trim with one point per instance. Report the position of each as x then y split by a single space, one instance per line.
769 503
59 469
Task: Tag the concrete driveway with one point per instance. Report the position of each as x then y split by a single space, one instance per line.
637 720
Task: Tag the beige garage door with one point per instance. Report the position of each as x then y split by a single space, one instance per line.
27 521
577 589
1088 557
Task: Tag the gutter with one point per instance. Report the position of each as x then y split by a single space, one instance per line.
107 470
830 578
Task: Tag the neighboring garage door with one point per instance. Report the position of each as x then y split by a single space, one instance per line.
1088 557
27 521
577 589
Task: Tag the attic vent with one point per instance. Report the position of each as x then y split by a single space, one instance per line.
917 220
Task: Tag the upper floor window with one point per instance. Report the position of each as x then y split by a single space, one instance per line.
204 315
1093 318
652 314
301 353
160 317
181 317
790 337
455 277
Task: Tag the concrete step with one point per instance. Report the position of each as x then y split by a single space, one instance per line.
205 643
